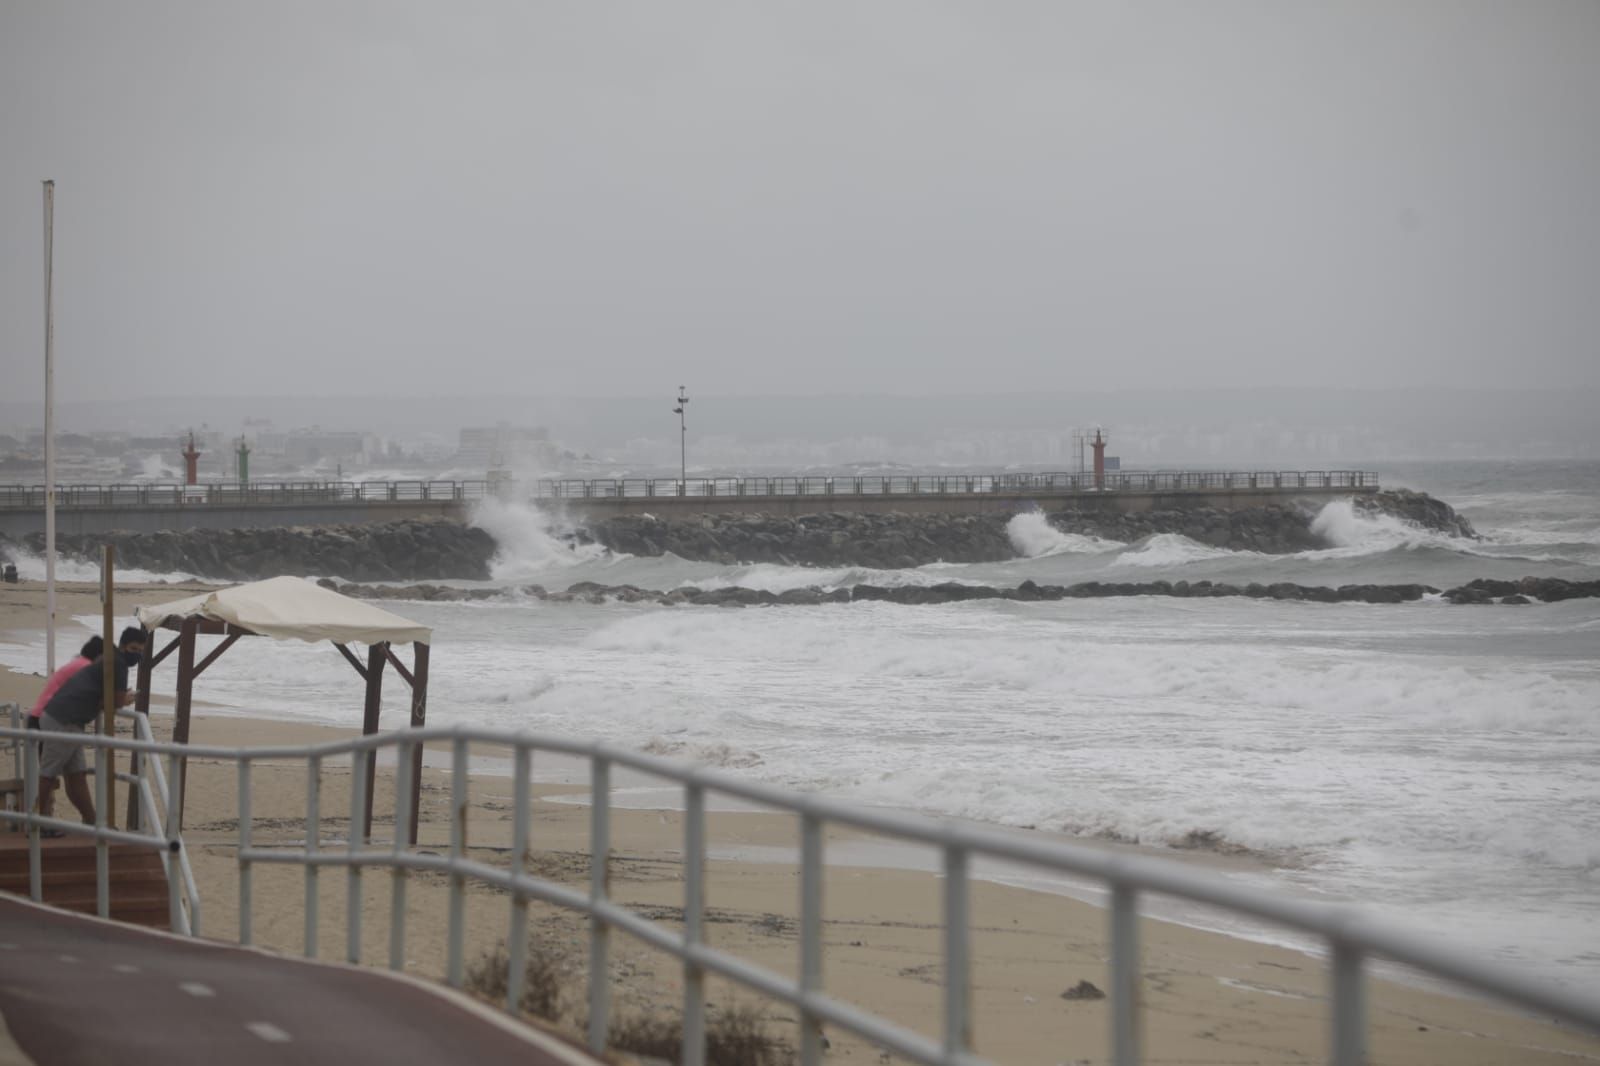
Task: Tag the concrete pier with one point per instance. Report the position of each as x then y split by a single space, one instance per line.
932 503
90 509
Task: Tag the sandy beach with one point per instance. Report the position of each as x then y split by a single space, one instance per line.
1208 998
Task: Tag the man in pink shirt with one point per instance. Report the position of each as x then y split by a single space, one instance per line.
86 655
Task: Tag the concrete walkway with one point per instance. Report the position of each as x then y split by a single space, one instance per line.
76 989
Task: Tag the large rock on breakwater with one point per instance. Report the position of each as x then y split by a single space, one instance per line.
412 550
893 541
1482 590
880 541
1417 508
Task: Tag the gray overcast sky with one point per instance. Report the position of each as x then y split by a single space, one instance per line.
580 198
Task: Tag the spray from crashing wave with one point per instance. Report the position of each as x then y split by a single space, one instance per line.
1033 537
529 541
1346 529
31 567
153 469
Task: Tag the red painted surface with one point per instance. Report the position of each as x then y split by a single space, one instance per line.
191 463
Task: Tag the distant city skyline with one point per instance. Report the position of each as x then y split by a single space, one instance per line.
1261 427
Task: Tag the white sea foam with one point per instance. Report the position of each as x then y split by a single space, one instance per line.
1456 785
529 543
1033 536
31 567
1170 549
774 577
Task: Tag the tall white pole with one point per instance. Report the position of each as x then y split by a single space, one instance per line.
50 431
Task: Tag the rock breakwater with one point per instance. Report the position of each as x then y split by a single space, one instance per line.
440 549
1480 591
898 541
411 550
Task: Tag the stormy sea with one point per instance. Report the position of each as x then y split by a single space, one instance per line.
1433 763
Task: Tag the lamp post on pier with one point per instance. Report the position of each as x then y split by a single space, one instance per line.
683 442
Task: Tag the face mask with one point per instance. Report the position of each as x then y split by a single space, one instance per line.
131 658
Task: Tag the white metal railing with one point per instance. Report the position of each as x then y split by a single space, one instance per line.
13 717
158 810
232 493
1351 939
161 809
1035 484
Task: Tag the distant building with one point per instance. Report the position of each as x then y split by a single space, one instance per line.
506 446
308 447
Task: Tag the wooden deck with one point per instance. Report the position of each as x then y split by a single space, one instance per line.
138 880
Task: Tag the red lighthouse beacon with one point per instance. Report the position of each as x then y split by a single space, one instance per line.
191 462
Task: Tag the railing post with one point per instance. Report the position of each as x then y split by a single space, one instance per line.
358 841
810 935
397 896
102 846
30 800
957 954
599 931
246 905
1124 975
517 938
174 845
694 977
313 839
458 852
1349 1006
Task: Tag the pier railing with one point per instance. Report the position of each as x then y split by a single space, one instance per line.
237 494
1350 940
269 493
961 484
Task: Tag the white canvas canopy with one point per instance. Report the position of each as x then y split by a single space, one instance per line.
290 608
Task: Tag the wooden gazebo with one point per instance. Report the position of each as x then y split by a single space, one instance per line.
291 608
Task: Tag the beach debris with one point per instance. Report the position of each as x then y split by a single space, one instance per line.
1083 990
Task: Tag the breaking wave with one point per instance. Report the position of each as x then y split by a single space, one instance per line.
1350 532
528 542
1033 537
1172 549
30 567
